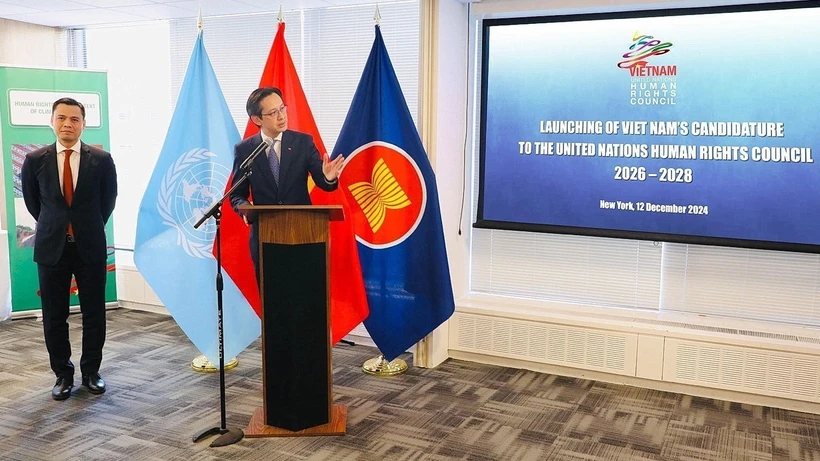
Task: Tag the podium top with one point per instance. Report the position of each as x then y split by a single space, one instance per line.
334 212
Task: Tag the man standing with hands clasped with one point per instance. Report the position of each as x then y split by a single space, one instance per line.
70 188
280 176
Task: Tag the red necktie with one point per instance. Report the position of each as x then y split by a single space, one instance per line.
68 185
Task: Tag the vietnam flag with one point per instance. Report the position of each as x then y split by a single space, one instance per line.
348 301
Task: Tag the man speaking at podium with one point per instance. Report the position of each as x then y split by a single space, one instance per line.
280 173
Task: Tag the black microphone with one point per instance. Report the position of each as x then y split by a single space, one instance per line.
259 149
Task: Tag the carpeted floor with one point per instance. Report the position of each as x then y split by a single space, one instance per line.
459 410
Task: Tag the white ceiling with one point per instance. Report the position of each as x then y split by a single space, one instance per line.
78 13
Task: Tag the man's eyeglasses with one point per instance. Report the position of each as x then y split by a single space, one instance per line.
276 112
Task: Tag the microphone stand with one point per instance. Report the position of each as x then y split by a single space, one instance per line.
227 436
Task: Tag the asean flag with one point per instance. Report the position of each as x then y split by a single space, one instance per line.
391 189
348 303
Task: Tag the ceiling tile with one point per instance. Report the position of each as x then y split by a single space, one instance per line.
268 5
7 9
214 7
50 5
113 3
158 11
77 18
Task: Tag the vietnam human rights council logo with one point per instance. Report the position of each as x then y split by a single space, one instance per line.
386 192
650 85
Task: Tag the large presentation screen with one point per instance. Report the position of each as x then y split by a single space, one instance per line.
691 125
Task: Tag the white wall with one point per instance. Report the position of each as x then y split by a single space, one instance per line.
139 92
24 44
444 131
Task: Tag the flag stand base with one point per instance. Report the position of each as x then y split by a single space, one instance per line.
201 364
378 366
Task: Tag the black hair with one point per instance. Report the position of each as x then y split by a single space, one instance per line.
68 102
256 97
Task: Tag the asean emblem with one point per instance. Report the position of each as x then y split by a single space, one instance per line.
190 186
386 192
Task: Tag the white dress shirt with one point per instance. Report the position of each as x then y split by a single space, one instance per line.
74 160
275 146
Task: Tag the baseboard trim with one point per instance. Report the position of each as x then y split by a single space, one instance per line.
664 386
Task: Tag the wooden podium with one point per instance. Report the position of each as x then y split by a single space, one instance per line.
297 392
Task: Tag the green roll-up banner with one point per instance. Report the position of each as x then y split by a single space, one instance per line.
25 115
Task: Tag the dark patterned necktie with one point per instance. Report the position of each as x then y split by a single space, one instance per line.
273 160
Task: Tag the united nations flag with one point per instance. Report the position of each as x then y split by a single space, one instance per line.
191 173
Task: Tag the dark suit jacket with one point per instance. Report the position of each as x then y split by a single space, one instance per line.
94 197
299 157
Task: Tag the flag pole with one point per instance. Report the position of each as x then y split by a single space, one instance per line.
201 363
233 435
379 366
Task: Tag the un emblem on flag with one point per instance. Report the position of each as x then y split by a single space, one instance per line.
386 192
188 189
